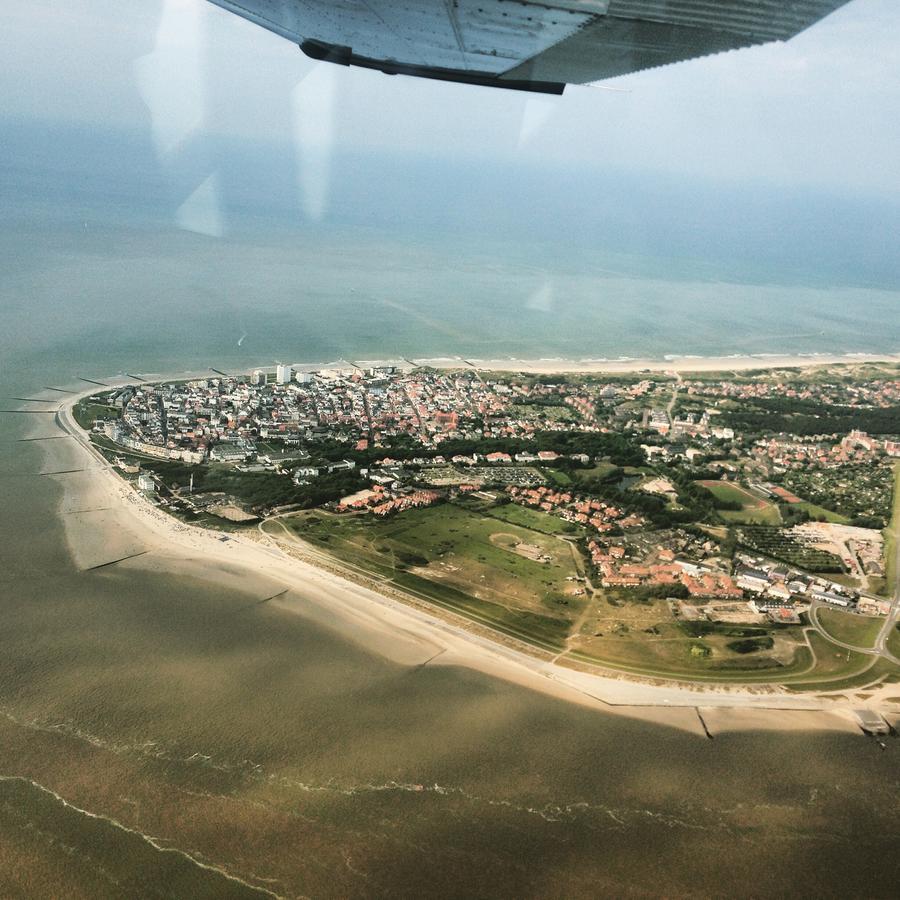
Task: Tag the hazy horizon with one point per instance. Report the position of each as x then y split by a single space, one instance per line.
174 163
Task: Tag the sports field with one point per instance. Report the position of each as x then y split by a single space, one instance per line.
753 509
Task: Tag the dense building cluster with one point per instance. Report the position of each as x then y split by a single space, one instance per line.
875 393
857 446
223 418
408 437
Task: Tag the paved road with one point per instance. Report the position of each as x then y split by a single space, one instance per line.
894 614
671 407
879 648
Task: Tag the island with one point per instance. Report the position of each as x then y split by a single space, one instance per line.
734 528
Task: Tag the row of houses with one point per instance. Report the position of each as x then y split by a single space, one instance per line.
382 503
773 583
581 510
664 570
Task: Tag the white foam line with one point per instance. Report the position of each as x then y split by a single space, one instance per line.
153 842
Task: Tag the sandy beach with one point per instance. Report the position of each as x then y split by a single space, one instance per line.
672 363
551 366
105 520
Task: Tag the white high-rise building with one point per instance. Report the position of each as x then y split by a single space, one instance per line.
146 483
303 377
283 374
258 377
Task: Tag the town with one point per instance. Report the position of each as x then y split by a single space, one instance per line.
738 501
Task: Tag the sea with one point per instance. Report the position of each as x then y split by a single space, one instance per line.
162 735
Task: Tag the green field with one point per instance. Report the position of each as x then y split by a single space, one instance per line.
559 478
819 512
535 519
647 638
835 667
850 628
882 670
838 669
835 662
484 567
893 641
86 411
674 659
644 638
541 631
601 470
754 510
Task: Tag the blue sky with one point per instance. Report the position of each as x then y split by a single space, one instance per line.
822 110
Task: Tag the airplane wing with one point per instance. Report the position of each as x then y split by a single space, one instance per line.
534 45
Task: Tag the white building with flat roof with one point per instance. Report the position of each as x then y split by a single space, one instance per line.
284 374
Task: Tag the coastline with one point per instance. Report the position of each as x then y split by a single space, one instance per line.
557 365
670 363
405 633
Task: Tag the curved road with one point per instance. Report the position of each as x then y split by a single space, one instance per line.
879 648
894 614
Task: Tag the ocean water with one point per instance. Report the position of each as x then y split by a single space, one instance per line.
103 299
420 257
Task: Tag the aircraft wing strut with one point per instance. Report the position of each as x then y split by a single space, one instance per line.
534 45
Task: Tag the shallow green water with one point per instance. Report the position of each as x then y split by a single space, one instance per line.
270 747
107 299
